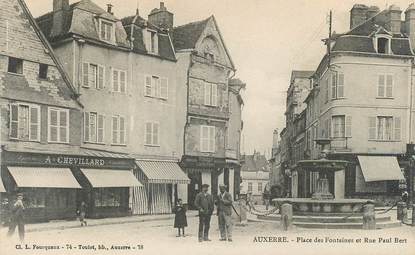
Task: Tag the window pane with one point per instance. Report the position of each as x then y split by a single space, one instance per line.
53 117
93 75
122 131
155 134
24 122
92 127
122 81
53 134
115 130
115 81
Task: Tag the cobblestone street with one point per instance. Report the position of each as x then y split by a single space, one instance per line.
158 237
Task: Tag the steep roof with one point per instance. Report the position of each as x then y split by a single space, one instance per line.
134 27
253 163
300 74
44 41
186 36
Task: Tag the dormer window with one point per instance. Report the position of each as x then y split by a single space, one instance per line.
383 44
106 31
152 41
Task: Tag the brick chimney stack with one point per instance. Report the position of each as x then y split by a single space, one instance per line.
372 11
358 15
59 9
161 17
410 23
393 23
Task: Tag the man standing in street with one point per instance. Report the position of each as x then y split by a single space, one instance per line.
17 217
204 203
225 214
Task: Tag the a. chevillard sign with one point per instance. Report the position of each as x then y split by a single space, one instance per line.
77 161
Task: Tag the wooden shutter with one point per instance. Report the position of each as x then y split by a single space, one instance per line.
14 121
155 133
147 85
63 125
101 77
397 128
115 130
122 130
100 128
164 88
212 139
148 133
86 126
214 95
389 85
381 86
348 126
340 85
34 131
207 93
53 125
333 86
123 81
115 81
85 74
372 128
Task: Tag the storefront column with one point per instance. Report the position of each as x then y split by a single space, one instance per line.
232 182
206 179
339 180
221 178
294 184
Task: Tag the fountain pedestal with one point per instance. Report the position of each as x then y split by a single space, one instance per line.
322 191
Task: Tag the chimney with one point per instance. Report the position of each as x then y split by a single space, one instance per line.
109 9
372 11
161 17
410 23
58 20
393 23
275 139
358 15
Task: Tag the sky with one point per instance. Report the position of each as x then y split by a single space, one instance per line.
267 39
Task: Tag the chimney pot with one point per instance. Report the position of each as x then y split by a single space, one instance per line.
109 8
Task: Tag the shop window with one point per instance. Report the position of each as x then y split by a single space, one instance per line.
107 197
15 65
43 71
35 198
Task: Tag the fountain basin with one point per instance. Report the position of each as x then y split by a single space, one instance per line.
334 207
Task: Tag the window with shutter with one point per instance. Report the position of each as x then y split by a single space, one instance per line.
397 128
93 76
85 74
214 95
155 134
63 126
100 128
152 134
148 133
333 86
122 130
381 86
340 85
93 127
86 127
115 130
101 77
123 81
14 121
34 134
164 89
212 139
207 93
53 125
348 126
389 85
338 126
372 128
115 81
147 83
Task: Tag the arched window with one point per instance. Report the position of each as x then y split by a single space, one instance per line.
383 45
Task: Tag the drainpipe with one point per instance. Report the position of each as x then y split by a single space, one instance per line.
187 101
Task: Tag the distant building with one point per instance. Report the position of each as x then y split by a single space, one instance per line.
255 174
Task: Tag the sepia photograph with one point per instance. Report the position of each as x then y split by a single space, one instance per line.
207 127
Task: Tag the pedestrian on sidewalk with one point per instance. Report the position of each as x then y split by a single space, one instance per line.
224 204
180 220
17 218
5 212
204 203
82 213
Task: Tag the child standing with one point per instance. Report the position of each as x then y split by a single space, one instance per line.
180 220
82 213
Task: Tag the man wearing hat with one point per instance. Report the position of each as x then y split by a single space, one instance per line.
17 217
204 203
224 204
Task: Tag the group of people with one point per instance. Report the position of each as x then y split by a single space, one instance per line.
204 202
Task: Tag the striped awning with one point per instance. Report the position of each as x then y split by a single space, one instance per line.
2 189
105 178
38 177
163 172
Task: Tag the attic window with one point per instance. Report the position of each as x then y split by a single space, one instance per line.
15 65
106 31
383 45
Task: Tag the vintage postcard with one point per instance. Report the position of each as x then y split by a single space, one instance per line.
207 127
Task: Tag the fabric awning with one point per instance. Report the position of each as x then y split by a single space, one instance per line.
38 177
2 189
163 172
380 168
105 178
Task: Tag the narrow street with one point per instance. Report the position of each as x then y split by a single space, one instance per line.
158 237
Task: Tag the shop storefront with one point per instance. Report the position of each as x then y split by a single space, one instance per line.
162 182
204 170
54 185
